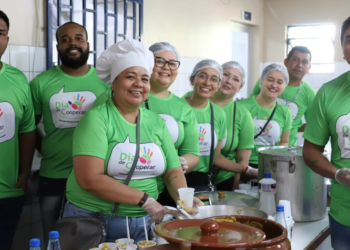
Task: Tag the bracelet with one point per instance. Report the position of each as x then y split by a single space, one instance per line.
245 168
143 199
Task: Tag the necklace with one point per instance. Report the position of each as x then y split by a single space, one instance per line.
296 96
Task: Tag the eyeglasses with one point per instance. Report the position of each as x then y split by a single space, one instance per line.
160 63
204 77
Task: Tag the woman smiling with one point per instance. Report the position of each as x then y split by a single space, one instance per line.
205 79
240 128
272 122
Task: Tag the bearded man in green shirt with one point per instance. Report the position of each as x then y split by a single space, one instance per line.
61 96
17 141
298 95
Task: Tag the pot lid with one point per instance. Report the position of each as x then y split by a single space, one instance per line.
284 151
208 233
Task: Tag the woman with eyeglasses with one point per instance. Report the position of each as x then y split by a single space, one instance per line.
239 142
179 118
272 122
205 79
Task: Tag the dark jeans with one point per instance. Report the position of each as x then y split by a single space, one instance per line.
340 235
198 181
51 193
117 225
226 185
10 213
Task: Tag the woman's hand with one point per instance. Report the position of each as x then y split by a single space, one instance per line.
156 210
183 162
196 203
194 210
252 171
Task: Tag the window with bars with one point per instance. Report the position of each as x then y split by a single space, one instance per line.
106 21
319 39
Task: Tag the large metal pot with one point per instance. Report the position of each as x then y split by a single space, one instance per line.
296 182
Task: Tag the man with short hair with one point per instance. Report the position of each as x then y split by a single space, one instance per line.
298 95
61 96
17 141
330 121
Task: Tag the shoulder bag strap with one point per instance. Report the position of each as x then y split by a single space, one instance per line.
233 130
268 121
136 158
211 157
147 105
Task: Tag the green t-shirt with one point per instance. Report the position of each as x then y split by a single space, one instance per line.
16 116
330 117
299 107
113 139
181 123
243 135
280 122
204 132
62 100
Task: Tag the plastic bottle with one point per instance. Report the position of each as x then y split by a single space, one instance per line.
34 244
280 218
289 218
267 189
54 243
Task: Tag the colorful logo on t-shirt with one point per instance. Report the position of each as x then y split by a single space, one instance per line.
67 108
201 133
78 103
205 140
267 129
293 107
343 132
7 121
146 156
151 161
271 134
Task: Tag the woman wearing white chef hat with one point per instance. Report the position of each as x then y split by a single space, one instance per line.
104 148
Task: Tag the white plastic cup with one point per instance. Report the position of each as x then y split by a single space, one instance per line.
245 186
131 247
110 245
151 243
124 246
186 195
123 240
287 208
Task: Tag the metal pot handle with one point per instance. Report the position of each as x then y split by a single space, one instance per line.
282 159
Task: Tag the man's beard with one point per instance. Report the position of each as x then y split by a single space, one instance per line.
74 63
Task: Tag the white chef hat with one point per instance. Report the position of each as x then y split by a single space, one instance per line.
125 54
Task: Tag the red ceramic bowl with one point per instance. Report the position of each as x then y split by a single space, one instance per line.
276 234
208 234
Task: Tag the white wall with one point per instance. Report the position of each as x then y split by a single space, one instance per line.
278 14
202 28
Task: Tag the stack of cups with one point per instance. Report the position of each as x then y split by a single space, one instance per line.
289 218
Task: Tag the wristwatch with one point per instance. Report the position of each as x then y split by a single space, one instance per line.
143 199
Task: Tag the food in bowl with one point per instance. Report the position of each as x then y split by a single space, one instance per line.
233 219
144 244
